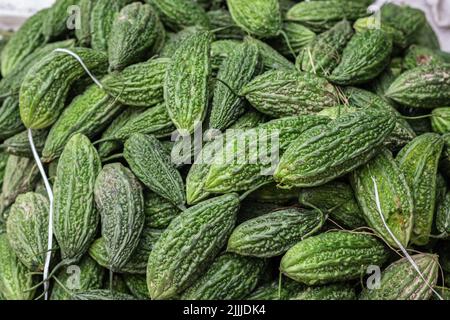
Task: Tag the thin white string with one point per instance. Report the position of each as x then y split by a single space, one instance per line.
408 257
50 214
82 64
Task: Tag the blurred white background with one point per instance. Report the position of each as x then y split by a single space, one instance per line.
14 12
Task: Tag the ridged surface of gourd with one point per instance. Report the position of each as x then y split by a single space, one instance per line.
3 160
20 177
443 215
332 256
87 114
322 15
159 212
15 278
261 18
400 280
394 196
101 21
236 70
440 120
83 32
75 216
323 54
229 277
337 199
189 244
140 84
274 233
221 18
297 37
282 93
422 87
119 200
364 58
11 84
137 264
177 14
10 122
27 229
269 193
86 275
248 160
270 58
419 161
371 22
187 81
137 284
417 56
326 152
152 165
173 40
19 145
59 18
100 295
27 39
135 34
45 88
335 291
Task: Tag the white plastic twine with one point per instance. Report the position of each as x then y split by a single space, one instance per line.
48 188
407 256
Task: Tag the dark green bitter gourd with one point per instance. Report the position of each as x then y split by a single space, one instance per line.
137 284
229 277
419 162
443 215
271 58
61 18
19 145
236 70
336 291
159 212
186 87
101 295
394 196
10 123
326 152
440 120
120 202
269 193
417 56
297 37
135 34
189 244
45 88
274 233
27 229
152 165
333 256
75 216
83 32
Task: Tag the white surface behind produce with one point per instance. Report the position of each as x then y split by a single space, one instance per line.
14 12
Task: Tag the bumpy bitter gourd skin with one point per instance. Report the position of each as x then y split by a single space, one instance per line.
419 162
59 18
274 233
323 54
19 145
119 199
322 15
101 294
152 165
75 215
87 114
27 229
282 93
334 291
400 281
137 284
83 32
443 215
326 152
10 122
395 197
135 33
332 256
189 244
422 87
261 18
178 14
236 70
337 199
271 58
440 120
297 37
26 40
139 85
15 278
364 58
417 56
230 277
159 212
44 90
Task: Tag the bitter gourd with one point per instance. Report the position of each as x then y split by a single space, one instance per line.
332 256
137 284
120 201
152 165
43 93
19 145
417 56
419 161
186 87
271 59
101 294
58 17
443 215
159 212
10 123
189 244
326 152
75 215
274 233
